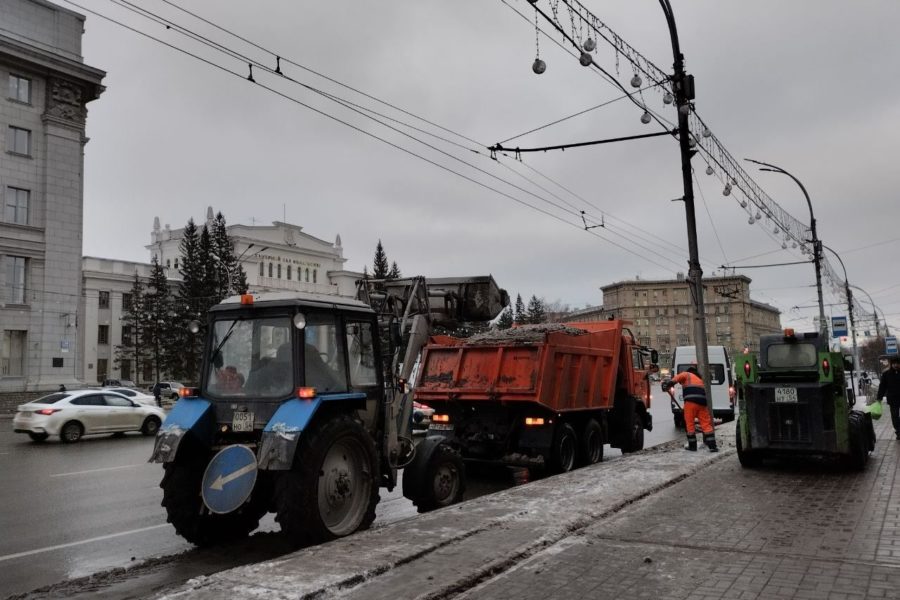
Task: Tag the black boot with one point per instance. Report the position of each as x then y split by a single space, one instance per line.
710 441
691 443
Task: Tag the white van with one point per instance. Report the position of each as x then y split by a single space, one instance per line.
721 381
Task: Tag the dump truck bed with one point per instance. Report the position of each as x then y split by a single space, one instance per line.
563 368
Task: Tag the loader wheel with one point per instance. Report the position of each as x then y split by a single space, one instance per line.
747 458
444 480
590 445
332 489
859 444
562 449
189 515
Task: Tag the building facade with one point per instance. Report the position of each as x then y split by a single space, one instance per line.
662 313
43 109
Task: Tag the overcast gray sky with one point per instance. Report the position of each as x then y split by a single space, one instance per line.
809 85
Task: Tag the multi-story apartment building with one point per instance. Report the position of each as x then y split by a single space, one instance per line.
662 312
43 107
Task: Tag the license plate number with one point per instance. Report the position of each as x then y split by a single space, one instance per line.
242 421
441 427
786 394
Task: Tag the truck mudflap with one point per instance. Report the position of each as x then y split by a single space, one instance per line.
191 417
282 433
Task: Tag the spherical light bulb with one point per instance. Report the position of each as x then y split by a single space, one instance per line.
784 245
758 215
692 141
636 81
668 98
733 181
706 132
751 220
645 118
590 44
685 109
538 66
793 244
727 190
585 59
709 170
743 204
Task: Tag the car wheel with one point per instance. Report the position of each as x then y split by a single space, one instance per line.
150 426
38 437
71 432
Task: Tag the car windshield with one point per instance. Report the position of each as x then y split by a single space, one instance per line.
252 357
51 399
792 355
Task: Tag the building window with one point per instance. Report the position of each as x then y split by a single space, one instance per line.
103 334
148 370
279 270
270 269
307 276
12 354
16 206
127 301
289 272
125 369
176 263
20 89
314 275
102 368
104 299
262 269
126 340
15 279
168 263
19 141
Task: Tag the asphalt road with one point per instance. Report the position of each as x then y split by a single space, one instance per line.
93 509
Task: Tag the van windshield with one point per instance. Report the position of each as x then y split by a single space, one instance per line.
716 373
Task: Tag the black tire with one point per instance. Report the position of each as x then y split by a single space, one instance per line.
71 432
590 444
563 449
859 443
323 475
150 426
445 479
747 458
635 430
38 437
190 517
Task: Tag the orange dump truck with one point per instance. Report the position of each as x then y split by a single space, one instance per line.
551 394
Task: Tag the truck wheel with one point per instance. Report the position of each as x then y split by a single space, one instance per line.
562 449
859 445
590 445
444 480
332 489
635 433
190 517
747 458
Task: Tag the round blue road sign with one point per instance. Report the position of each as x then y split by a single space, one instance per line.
229 479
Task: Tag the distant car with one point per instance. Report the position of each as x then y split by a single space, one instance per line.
137 396
71 415
421 416
119 383
168 389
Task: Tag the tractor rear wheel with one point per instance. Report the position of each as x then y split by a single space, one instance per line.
747 458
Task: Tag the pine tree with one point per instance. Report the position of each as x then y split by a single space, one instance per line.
226 269
535 312
190 305
211 286
519 316
394 273
156 330
506 319
132 349
380 268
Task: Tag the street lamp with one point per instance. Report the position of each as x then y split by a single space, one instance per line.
683 86
817 245
850 310
874 310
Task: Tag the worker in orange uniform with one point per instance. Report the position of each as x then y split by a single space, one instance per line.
694 395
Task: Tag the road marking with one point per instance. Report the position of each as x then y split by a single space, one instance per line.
87 541
96 470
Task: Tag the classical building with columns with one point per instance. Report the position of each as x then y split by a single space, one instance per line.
43 108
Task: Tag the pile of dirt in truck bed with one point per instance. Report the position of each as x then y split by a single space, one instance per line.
524 334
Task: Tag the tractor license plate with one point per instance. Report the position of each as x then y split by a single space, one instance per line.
786 395
441 427
242 421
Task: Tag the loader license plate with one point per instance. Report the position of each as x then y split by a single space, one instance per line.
242 421
786 395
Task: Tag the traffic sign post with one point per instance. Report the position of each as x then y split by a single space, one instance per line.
838 326
229 479
890 345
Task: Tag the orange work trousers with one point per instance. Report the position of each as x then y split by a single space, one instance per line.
692 411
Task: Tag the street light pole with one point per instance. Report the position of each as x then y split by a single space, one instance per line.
817 245
849 293
874 309
683 86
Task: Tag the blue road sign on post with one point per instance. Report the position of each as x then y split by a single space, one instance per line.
890 345
229 479
838 326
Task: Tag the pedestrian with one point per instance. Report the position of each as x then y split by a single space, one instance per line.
62 387
889 388
694 395
864 383
157 393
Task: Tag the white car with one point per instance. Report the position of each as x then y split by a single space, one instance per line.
139 397
71 415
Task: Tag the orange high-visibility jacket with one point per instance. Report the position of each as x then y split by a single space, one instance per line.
692 386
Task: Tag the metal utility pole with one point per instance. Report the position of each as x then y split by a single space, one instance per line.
683 86
849 294
817 245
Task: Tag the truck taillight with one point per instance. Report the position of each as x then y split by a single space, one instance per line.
534 421
747 369
440 418
306 393
826 366
188 392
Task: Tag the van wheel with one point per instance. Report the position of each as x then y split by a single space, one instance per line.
590 446
562 449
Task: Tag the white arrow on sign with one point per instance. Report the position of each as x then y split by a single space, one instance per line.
220 481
